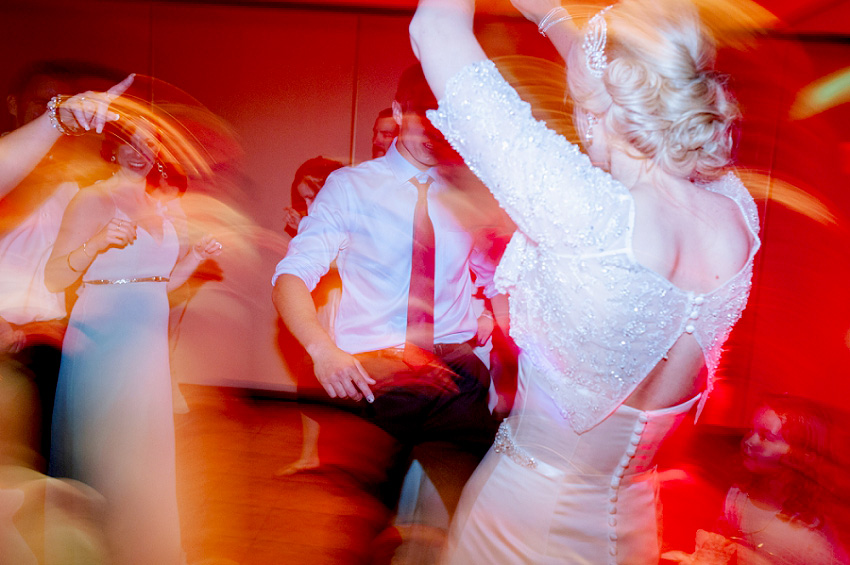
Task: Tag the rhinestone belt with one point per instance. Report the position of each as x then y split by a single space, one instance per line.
126 281
505 444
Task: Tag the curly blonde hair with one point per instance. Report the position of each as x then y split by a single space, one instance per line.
658 92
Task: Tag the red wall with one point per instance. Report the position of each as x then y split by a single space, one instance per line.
296 83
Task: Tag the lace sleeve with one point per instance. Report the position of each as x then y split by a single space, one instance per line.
549 188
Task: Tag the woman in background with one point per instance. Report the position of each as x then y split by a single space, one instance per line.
309 180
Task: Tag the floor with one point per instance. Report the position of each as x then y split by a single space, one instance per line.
234 509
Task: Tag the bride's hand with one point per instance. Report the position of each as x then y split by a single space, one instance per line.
207 248
116 233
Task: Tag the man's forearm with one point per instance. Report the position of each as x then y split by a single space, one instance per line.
296 308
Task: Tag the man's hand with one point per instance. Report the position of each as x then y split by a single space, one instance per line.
485 328
341 374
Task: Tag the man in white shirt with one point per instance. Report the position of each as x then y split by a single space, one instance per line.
364 218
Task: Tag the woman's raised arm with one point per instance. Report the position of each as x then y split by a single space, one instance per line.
22 149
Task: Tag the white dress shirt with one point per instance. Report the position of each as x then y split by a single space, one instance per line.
363 218
24 251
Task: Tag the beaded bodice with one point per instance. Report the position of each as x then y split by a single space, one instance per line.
585 312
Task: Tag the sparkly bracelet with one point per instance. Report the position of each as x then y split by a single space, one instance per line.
86 253
56 120
554 16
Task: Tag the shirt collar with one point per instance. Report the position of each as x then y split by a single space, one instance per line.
403 169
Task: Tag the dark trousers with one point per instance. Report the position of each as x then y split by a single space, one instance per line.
437 411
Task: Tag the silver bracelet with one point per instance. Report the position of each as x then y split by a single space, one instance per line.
53 113
554 16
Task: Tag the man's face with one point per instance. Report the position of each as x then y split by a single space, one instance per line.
419 141
383 133
33 100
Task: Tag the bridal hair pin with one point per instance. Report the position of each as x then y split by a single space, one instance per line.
595 38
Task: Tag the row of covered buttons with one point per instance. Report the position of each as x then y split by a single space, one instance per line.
696 302
619 472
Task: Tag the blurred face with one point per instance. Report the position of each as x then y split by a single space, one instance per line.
308 188
139 156
764 447
383 133
418 141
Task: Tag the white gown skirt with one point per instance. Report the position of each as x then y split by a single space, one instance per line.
545 494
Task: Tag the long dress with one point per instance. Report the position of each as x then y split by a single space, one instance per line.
570 478
113 424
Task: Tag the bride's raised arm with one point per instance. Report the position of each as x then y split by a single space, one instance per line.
442 39
545 184
552 20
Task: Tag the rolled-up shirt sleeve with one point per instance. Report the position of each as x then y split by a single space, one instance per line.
321 235
484 268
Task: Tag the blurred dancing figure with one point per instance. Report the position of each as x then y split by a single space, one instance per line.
32 319
776 515
405 320
627 273
29 222
113 429
42 519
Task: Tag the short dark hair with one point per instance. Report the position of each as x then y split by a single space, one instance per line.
319 168
385 113
413 93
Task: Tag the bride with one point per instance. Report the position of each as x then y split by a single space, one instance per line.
629 268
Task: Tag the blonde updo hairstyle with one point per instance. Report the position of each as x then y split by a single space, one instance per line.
658 93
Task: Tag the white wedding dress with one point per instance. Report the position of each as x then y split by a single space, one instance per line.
571 476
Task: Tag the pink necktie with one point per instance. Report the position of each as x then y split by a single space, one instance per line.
420 300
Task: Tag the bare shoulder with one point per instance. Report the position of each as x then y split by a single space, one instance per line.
727 216
726 219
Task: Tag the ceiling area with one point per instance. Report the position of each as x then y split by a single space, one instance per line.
805 17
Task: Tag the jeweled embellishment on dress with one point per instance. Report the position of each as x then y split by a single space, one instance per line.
505 444
583 309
